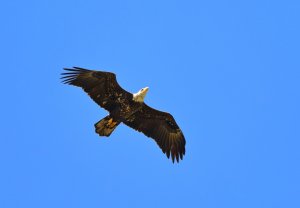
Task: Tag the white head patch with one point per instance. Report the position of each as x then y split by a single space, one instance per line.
140 95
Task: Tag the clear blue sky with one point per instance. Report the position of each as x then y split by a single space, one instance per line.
228 71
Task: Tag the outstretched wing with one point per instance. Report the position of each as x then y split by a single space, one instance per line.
162 127
101 86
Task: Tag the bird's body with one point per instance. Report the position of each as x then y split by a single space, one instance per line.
128 108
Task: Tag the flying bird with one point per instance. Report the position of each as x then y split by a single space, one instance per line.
128 108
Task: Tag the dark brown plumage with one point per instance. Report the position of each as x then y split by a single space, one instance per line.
104 89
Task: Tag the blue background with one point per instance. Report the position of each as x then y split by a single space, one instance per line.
227 70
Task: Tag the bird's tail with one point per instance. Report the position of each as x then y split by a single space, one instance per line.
106 126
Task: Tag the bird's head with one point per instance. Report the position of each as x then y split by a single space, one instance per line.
140 95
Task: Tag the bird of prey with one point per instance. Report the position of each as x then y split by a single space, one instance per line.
130 109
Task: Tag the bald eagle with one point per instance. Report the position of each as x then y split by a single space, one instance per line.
130 109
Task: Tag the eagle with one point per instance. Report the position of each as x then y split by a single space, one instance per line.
128 108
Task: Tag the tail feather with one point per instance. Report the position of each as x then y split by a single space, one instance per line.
106 126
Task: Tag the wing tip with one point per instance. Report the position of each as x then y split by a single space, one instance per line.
176 156
71 74
75 69
179 151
